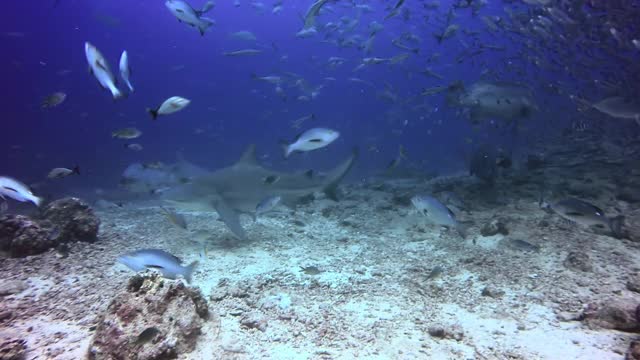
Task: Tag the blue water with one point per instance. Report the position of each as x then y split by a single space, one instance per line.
43 52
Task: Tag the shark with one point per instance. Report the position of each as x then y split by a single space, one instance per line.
239 188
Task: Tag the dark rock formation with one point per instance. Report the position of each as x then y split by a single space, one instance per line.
153 319
73 219
12 348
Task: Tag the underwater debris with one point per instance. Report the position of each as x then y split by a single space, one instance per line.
123 331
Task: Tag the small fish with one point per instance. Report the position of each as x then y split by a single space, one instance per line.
53 100
311 139
59 173
153 165
134 147
17 191
522 245
267 205
586 214
175 218
243 52
168 265
188 15
311 270
437 212
100 69
125 70
169 106
435 272
126 133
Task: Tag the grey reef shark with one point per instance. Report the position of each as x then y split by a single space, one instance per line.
239 188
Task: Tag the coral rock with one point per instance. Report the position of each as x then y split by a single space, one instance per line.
12 349
578 261
494 227
634 351
153 319
73 219
615 314
23 236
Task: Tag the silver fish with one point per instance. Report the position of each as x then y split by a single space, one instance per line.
437 212
168 265
309 140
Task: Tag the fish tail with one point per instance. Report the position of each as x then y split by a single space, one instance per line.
462 230
188 271
153 113
37 200
76 170
616 225
285 148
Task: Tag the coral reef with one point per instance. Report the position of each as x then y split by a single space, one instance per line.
152 319
22 236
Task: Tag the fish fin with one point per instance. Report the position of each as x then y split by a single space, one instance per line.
188 271
461 229
285 148
231 218
248 156
616 225
153 113
207 7
76 170
204 25
337 174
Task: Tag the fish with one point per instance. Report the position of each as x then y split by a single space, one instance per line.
169 106
243 35
273 79
239 188
267 204
134 147
99 68
437 212
53 100
175 218
620 108
126 133
586 214
59 173
17 191
521 245
312 139
503 100
243 52
185 13
125 70
167 264
312 13
299 121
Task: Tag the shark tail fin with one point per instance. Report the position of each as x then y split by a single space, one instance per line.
285 148
188 271
204 24
336 175
208 6
616 225
462 230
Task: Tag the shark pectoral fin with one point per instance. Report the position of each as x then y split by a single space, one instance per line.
231 218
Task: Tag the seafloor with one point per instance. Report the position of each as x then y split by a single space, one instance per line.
354 279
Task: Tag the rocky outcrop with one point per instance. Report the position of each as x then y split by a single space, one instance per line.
23 236
73 219
62 221
616 314
153 319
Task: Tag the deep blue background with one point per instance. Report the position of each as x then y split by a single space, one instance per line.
169 58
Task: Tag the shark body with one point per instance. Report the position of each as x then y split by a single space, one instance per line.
239 188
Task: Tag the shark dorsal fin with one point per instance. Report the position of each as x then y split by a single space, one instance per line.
249 156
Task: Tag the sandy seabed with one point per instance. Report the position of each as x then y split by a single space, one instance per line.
345 280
